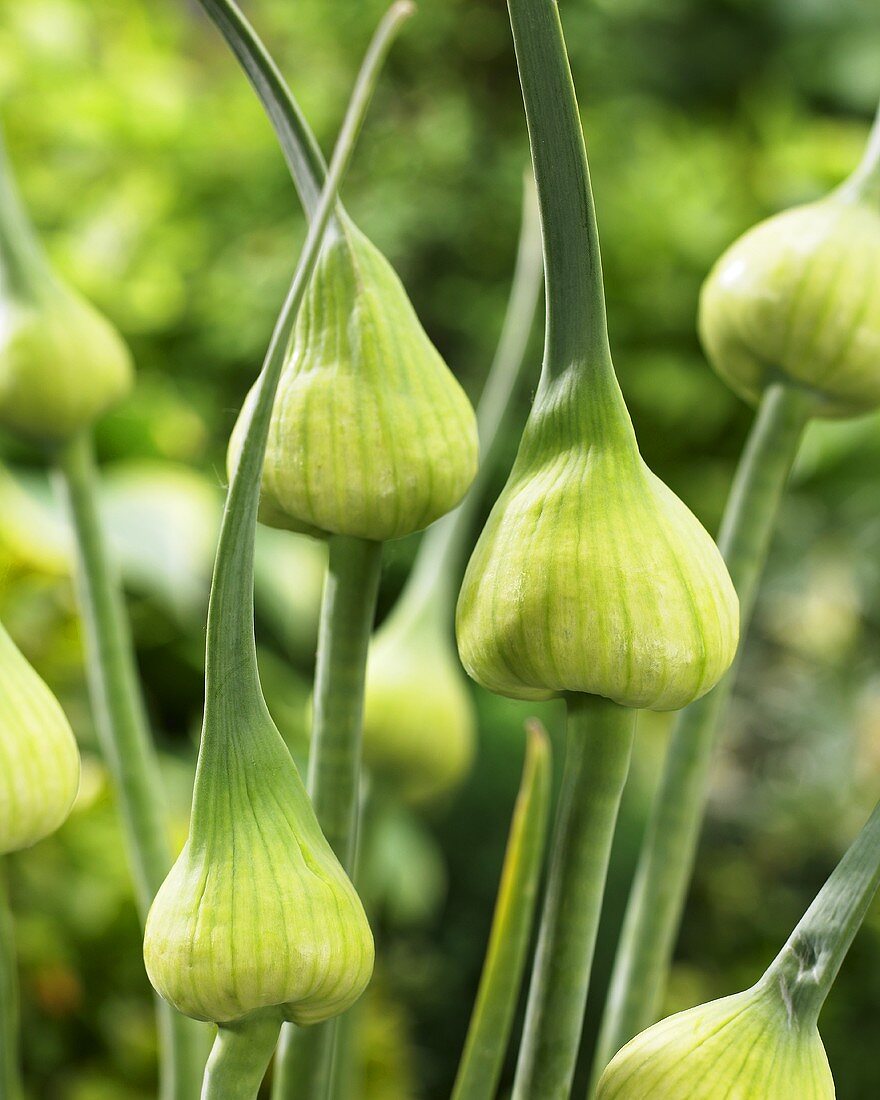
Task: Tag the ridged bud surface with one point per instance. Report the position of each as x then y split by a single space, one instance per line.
39 759
797 299
371 434
743 1047
591 575
257 911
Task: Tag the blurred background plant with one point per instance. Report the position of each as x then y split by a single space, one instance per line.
159 190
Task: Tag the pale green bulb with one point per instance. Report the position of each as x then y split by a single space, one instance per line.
745 1047
62 365
371 435
591 575
39 759
257 912
796 300
419 719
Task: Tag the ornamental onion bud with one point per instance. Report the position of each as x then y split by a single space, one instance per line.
62 365
371 434
419 721
39 760
745 1047
257 911
591 575
795 299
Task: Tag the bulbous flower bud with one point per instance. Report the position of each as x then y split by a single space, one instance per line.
419 720
745 1047
257 911
591 575
371 435
39 760
795 300
62 365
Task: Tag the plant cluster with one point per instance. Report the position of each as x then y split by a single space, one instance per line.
591 582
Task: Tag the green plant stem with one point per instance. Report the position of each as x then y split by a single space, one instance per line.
230 650
124 736
598 746
667 855
492 1018
576 330
240 1057
432 586
10 1070
305 1062
805 969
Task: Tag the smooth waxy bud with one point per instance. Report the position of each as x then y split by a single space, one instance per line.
795 300
745 1047
62 365
371 435
419 720
257 912
39 760
591 575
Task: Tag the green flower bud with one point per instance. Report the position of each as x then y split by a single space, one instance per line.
745 1047
62 365
419 720
371 435
39 760
591 575
257 911
794 300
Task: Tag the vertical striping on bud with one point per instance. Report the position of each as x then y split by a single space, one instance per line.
39 759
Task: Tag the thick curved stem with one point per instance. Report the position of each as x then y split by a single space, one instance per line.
666 860
124 736
599 743
349 606
239 1058
10 1070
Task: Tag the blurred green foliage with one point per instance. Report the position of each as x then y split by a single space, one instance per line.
157 185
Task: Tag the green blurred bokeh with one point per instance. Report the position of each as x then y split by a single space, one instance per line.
160 192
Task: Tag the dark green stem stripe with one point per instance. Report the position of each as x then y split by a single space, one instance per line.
10 1071
599 743
347 613
576 325
492 1018
666 860
124 736
239 1058
806 967
296 139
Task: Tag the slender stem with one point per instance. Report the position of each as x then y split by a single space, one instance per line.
576 326
667 855
806 967
239 1058
433 583
296 139
599 743
349 606
10 1071
23 265
492 1018
124 736
232 678
347 615
864 183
